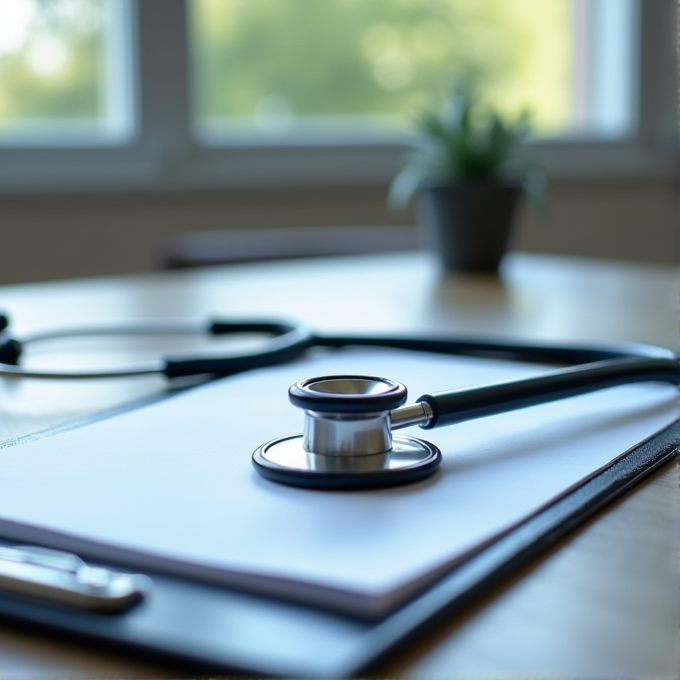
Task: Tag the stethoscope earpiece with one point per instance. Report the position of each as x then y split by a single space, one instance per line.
347 440
10 350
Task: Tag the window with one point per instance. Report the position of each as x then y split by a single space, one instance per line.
63 73
163 94
371 64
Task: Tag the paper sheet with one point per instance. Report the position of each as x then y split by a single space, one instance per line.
171 485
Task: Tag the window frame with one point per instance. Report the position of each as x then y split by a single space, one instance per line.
162 153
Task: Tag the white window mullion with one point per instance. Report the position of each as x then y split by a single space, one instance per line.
658 89
164 88
119 90
615 79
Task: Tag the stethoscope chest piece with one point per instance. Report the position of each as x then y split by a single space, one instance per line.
347 441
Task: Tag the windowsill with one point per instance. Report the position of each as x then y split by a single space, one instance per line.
39 199
136 168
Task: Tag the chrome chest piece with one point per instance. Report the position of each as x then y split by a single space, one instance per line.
347 442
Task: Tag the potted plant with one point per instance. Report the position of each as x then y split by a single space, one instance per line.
467 177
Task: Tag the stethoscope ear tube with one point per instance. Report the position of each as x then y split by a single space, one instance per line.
289 342
453 407
10 351
285 341
535 352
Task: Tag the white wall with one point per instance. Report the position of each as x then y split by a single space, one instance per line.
67 236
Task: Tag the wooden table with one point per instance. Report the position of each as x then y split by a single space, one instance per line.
602 605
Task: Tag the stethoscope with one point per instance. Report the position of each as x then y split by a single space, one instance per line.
347 440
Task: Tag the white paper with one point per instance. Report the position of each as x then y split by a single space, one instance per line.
172 484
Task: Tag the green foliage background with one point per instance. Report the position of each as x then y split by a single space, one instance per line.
322 56
315 58
75 91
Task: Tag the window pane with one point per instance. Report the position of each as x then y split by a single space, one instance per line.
281 66
62 70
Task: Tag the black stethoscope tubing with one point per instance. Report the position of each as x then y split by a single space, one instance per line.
597 367
288 341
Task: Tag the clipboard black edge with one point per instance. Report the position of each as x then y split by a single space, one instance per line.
505 557
367 645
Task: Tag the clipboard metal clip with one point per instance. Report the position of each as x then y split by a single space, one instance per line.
64 578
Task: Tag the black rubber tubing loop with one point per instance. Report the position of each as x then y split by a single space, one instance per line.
478 402
301 396
598 367
217 327
10 350
290 341
501 349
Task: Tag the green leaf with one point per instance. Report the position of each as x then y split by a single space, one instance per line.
465 140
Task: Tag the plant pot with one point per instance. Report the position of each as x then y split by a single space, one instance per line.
468 225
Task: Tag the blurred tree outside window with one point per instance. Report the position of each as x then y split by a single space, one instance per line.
59 72
272 67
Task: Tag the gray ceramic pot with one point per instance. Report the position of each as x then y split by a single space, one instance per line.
468 225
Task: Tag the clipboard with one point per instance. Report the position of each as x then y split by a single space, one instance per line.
221 629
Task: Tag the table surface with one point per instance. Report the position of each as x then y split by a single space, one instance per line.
603 604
